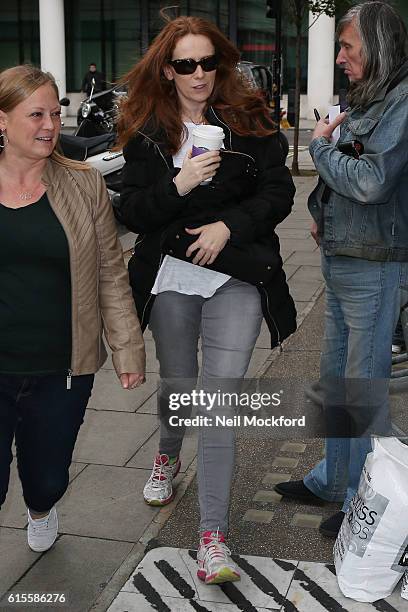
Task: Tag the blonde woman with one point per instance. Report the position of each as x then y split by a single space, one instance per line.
62 283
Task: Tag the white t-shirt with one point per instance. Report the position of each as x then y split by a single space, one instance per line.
182 276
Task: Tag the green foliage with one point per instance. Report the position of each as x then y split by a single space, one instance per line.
298 8
328 7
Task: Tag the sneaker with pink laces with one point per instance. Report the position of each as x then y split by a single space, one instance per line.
158 490
214 560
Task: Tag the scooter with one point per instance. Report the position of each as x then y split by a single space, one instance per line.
96 151
97 113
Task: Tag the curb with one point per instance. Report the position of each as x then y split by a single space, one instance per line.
140 548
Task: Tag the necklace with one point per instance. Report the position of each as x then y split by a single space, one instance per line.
26 195
199 122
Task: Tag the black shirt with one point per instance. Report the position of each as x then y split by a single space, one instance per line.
35 291
87 82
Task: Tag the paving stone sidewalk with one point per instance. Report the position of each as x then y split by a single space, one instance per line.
104 523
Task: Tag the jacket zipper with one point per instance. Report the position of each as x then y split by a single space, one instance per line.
151 295
162 156
139 240
272 319
224 124
224 151
73 296
156 146
145 306
230 139
239 153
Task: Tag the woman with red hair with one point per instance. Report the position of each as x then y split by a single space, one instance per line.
206 262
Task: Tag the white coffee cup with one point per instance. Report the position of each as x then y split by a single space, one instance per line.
207 138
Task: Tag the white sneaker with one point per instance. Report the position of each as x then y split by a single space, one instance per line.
215 565
158 490
42 533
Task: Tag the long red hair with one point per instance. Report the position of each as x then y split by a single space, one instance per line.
151 96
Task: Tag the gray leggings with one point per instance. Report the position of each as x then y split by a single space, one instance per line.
228 323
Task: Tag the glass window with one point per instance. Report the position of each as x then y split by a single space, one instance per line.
106 32
156 22
256 33
113 33
20 33
256 39
213 10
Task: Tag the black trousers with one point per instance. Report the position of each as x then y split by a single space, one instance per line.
44 417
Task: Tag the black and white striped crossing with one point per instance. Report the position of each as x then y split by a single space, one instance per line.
166 581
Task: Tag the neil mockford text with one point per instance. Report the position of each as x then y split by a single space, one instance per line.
236 421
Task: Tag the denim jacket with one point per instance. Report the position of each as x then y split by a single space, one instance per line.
366 214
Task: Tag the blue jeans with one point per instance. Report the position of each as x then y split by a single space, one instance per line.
228 323
363 301
44 417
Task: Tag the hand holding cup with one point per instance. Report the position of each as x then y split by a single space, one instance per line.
201 164
196 170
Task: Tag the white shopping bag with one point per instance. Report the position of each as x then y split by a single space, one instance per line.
404 586
371 550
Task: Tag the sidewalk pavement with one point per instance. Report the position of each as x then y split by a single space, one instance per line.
104 523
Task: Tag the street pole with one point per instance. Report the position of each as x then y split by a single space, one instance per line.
278 63
274 11
233 21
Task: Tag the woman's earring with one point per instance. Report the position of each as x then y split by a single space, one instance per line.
4 139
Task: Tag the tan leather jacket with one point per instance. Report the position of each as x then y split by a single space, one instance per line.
101 296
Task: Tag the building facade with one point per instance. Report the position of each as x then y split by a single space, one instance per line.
64 36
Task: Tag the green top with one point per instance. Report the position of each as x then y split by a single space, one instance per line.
35 291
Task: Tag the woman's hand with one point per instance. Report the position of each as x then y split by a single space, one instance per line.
131 381
314 233
196 169
212 239
326 129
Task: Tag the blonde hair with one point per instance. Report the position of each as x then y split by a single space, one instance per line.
16 85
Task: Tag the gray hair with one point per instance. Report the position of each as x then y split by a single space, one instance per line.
383 38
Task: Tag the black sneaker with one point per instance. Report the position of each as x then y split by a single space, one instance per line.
331 526
296 489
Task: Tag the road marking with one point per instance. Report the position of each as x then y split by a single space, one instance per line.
300 149
166 581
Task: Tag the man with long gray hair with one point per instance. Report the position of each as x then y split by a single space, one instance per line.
361 222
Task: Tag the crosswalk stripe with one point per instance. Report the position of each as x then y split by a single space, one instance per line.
384 606
179 583
316 591
150 593
264 584
166 581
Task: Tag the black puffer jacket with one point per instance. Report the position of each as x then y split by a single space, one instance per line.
251 193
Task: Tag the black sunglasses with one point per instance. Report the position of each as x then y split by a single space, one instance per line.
189 66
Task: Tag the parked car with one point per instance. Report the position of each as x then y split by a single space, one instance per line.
259 77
